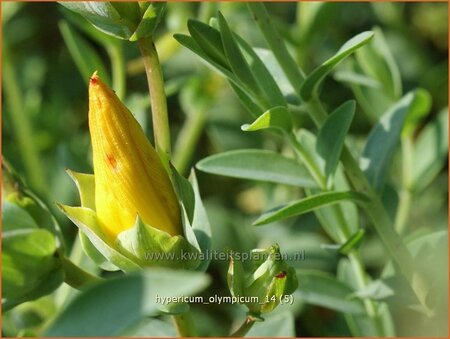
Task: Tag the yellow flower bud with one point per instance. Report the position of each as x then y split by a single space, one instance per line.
130 179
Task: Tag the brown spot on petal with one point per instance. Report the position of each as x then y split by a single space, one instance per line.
282 274
111 160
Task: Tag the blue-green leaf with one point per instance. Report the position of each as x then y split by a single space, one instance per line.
30 268
278 325
235 57
264 78
331 138
14 217
104 16
310 84
200 225
209 40
308 204
383 140
256 164
377 61
324 290
109 308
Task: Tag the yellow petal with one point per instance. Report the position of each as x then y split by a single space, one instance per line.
130 179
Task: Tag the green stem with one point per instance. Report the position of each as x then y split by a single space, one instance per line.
404 206
188 139
308 161
75 276
245 327
115 53
375 210
23 132
158 100
185 325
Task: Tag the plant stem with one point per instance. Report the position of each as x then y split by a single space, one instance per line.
404 206
115 53
245 327
374 209
310 164
75 276
158 100
185 325
188 139
23 132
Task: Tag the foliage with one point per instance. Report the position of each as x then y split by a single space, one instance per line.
324 124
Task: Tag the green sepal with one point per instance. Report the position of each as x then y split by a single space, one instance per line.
86 220
150 246
86 188
278 118
235 277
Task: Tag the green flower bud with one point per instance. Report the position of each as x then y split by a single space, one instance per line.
268 280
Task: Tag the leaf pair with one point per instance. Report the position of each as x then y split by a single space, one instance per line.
128 21
235 58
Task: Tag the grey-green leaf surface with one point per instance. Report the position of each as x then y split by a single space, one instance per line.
382 142
15 217
29 266
311 83
311 203
264 78
430 152
200 224
280 325
321 289
257 164
377 61
107 309
361 325
235 57
209 40
331 138
104 16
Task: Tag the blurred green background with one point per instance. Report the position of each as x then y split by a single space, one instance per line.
44 123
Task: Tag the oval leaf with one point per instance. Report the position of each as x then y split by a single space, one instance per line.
258 165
